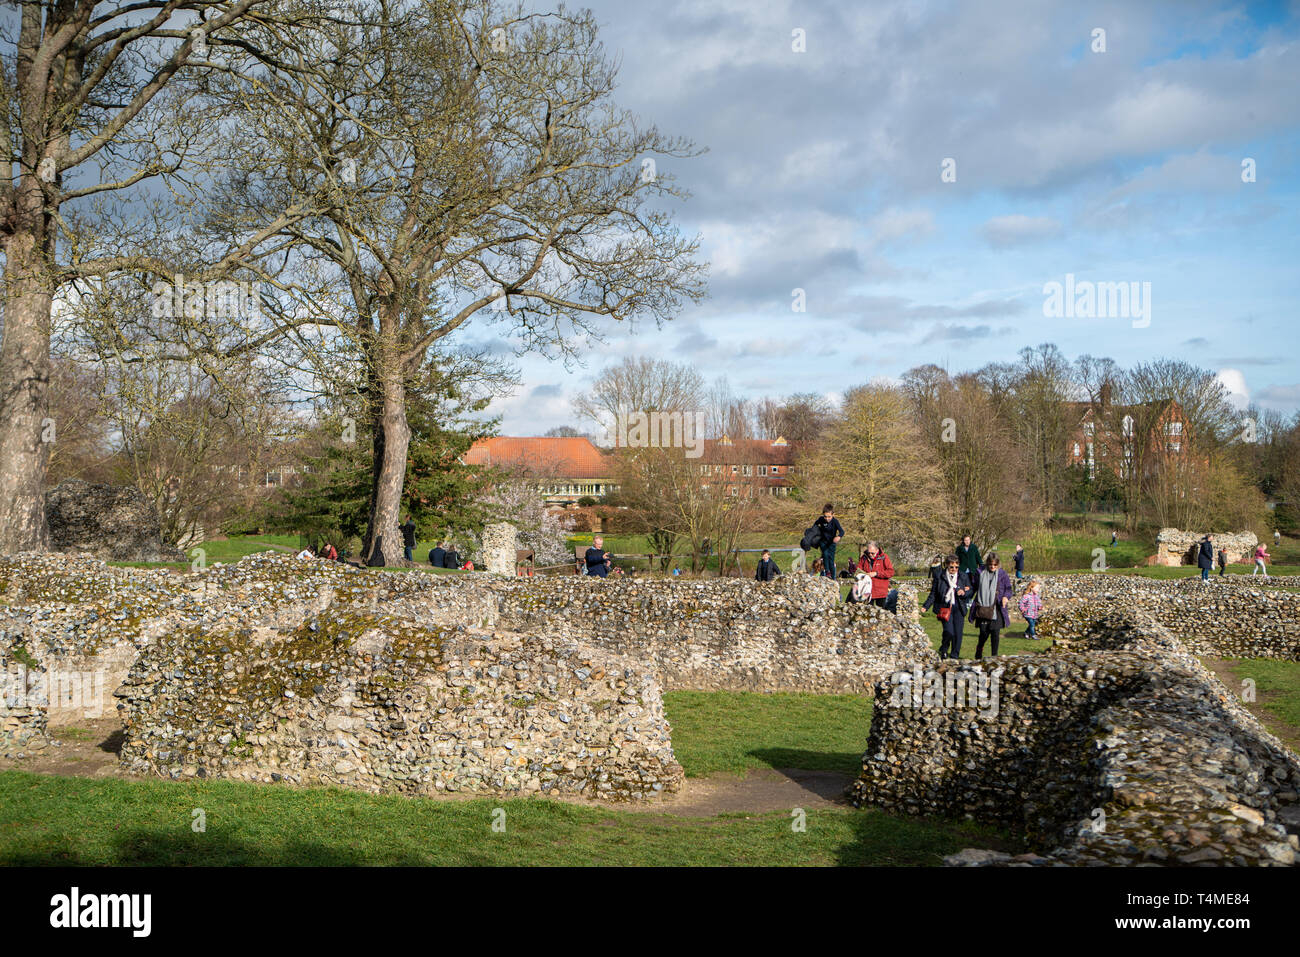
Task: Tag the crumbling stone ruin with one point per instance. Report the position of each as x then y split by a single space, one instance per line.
1176 547
279 669
1117 747
112 522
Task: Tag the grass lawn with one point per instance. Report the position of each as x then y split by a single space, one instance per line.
48 820
1277 686
737 730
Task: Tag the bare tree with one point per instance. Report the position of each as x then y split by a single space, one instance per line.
91 109
480 169
640 384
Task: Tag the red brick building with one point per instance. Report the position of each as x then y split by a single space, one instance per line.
756 466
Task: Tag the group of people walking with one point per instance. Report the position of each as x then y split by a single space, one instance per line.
1205 558
962 589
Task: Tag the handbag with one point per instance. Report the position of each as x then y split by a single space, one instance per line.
944 613
985 612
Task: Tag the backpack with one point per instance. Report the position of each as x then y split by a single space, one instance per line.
812 538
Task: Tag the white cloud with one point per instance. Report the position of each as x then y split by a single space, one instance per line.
1235 382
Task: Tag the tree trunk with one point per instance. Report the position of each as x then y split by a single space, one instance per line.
392 440
25 433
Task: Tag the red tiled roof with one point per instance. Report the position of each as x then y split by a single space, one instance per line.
748 452
559 457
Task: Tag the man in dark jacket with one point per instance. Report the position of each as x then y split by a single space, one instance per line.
1020 562
767 570
597 560
968 557
408 539
438 555
1206 557
832 531
950 589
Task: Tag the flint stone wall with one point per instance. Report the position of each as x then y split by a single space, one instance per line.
385 705
792 634
500 542
112 522
1175 547
1118 749
1225 617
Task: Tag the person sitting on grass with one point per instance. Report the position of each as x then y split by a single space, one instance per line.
438 555
767 569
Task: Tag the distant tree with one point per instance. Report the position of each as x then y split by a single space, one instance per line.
885 484
639 384
565 432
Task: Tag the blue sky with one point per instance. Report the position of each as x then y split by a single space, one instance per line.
823 173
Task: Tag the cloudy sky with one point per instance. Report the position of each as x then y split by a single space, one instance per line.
824 172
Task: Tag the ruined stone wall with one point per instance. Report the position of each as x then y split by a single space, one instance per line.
1174 546
385 705
1227 617
792 634
1117 749
112 522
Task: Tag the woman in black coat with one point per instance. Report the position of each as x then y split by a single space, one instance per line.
951 589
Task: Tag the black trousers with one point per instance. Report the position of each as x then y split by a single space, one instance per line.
988 629
950 643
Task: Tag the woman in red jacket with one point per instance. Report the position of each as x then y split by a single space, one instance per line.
880 570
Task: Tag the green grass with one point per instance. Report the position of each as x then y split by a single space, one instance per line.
1277 686
1009 643
49 820
734 731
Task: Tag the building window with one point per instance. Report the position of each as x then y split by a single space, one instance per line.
762 470
1175 428
748 470
1076 450
1127 426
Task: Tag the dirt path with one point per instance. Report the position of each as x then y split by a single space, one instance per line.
1227 673
90 749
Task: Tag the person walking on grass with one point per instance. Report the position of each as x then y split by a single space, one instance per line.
950 592
993 591
1205 557
880 570
1261 556
832 531
1019 559
767 570
1031 607
968 556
